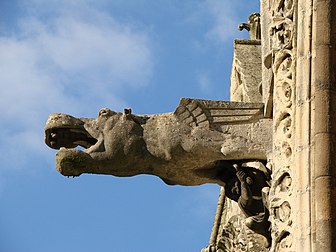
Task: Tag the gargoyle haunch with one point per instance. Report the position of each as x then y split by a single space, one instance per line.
190 146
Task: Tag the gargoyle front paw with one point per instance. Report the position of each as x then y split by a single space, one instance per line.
72 162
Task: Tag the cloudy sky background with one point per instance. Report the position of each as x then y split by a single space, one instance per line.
76 57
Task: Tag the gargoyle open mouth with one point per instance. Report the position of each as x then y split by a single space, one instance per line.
68 132
68 138
65 132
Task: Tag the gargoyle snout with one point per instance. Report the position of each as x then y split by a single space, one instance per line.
63 130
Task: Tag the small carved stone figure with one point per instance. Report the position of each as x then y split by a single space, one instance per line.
249 187
253 26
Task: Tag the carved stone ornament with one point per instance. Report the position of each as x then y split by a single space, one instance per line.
190 146
252 26
249 188
242 217
283 48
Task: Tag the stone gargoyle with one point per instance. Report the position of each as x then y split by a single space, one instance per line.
190 146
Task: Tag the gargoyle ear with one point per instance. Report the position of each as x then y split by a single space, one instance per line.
128 112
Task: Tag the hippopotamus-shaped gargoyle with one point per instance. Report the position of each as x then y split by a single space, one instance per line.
190 146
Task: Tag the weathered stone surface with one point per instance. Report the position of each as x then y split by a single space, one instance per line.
185 147
283 47
298 83
246 72
267 58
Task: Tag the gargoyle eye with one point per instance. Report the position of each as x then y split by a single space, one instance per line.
104 112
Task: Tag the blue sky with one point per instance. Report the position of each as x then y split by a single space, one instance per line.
76 57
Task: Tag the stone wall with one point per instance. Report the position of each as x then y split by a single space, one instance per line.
246 71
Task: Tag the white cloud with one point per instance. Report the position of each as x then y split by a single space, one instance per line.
225 19
74 62
222 16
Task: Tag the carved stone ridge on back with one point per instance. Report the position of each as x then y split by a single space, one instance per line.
213 114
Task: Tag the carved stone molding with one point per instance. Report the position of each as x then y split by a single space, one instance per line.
283 50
